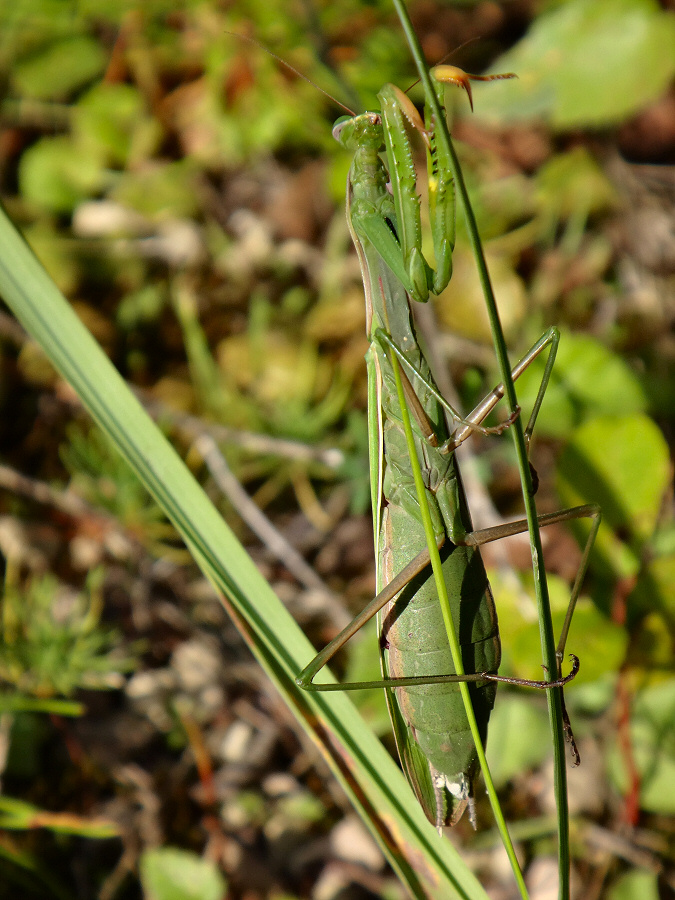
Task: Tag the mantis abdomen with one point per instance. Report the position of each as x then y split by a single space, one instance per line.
415 644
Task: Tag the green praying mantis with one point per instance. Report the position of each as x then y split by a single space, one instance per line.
414 472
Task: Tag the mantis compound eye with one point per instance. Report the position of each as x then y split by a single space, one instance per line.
339 127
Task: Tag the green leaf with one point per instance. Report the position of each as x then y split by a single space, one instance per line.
585 63
56 177
110 122
655 589
588 380
519 737
635 885
573 184
599 643
60 68
20 816
623 464
172 874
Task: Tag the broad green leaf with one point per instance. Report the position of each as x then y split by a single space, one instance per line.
585 63
655 589
110 121
651 639
519 737
599 643
573 184
168 873
635 885
588 380
30 23
56 177
60 68
623 464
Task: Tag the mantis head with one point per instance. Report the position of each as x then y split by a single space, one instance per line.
355 132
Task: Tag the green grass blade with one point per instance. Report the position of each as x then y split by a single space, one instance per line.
428 865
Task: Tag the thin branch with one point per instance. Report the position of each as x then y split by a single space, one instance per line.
256 520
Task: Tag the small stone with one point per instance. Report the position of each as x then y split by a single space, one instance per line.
235 743
350 841
279 783
196 664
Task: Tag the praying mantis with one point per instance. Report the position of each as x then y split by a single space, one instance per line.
416 486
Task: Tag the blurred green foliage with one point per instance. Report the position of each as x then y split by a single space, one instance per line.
16 815
653 749
150 115
103 479
519 737
635 885
54 642
168 873
588 381
585 63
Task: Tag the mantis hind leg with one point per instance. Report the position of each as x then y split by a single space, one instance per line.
508 529
486 535
473 539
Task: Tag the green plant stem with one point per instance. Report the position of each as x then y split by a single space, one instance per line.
541 587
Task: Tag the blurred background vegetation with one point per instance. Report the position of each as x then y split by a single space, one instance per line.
183 189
